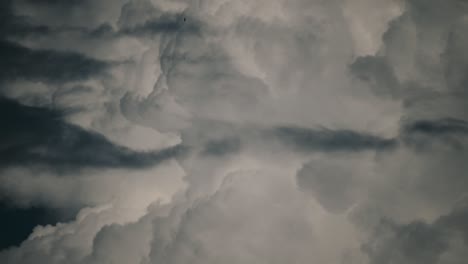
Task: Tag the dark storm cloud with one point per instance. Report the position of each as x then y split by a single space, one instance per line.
331 183
20 26
423 133
456 221
438 127
69 3
14 25
164 24
414 243
24 220
143 18
305 140
225 139
20 62
222 147
266 59
378 74
418 242
424 48
38 136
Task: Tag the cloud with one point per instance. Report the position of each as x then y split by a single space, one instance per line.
424 133
143 18
415 243
418 241
237 131
438 127
222 147
337 183
328 140
379 75
24 220
56 2
196 233
52 66
38 136
173 23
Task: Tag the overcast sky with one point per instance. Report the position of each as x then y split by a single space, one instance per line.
233 131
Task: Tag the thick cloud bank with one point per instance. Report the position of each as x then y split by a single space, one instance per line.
217 131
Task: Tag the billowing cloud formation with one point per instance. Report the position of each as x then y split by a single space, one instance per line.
217 131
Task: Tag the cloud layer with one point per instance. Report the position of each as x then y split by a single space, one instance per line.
215 131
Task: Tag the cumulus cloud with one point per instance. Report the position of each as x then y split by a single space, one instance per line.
216 131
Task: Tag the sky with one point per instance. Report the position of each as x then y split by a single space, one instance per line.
234 132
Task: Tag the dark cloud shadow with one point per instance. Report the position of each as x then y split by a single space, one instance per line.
168 23
40 137
326 140
421 134
20 62
222 147
418 242
437 127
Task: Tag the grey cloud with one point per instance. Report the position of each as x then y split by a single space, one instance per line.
227 138
176 23
306 140
422 52
57 13
455 57
216 68
20 62
17 25
14 25
378 74
69 3
136 13
422 62
193 231
423 133
420 242
438 127
416 133
38 136
137 18
159 111
131 22
142 18
456 221
197 234
330 183
200 73
414 243
222 147
25 27
133 242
